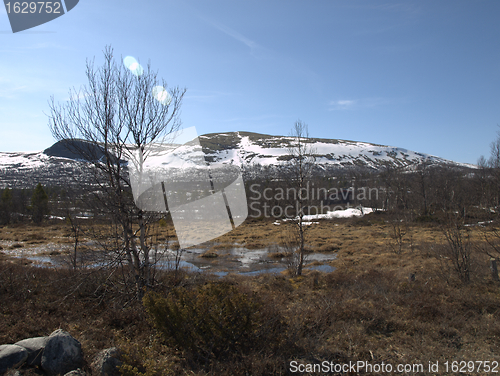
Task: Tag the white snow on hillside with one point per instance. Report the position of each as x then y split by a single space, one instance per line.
248 150
335 153
20 160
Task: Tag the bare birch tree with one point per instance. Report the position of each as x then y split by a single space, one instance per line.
108 121
300 169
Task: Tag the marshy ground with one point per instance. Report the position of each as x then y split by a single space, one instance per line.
378 305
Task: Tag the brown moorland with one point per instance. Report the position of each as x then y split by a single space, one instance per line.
377 306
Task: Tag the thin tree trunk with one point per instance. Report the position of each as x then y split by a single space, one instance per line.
144 248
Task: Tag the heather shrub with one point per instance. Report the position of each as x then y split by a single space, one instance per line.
213 321
152 359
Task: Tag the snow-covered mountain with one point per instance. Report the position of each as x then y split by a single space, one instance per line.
250 151
246 149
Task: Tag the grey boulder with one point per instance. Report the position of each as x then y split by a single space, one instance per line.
35 348
106 362
62 353
12 356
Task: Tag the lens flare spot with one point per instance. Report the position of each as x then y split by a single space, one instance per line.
132 64
161 95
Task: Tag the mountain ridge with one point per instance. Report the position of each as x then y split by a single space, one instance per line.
255 147
253 152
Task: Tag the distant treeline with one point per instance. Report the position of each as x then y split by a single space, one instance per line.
37 203
424 191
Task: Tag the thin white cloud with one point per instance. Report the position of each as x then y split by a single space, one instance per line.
287 63
235 35
356 104
345 102
11 92
28 83
342 104
255 49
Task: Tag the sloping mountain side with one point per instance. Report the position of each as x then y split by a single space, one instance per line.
60 164
246 148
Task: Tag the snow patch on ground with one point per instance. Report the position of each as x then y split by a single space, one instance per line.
346 213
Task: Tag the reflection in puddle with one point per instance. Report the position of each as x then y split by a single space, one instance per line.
167 264
322 268
238 260
262 271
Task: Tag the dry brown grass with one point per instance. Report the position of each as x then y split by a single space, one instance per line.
210 254
367 309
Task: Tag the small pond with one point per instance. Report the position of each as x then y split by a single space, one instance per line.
211 259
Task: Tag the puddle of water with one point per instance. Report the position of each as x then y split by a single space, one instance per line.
167 264
321 257
321 268
248 257
220 274
39 261
233 260
262 271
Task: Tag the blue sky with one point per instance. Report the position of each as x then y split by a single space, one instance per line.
423 75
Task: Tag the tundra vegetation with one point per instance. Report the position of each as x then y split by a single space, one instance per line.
412 284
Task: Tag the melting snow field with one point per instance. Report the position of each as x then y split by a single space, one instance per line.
272 150
23 160
346 213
